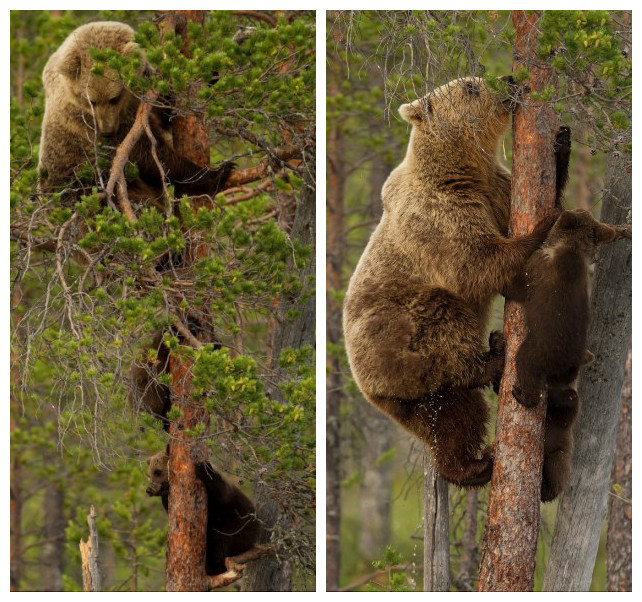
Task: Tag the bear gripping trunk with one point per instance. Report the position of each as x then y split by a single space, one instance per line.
510 538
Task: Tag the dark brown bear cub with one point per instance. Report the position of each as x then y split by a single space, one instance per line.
232 527
555 292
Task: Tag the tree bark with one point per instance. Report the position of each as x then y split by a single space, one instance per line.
334 264
376 482
274 573
510 538
468 559
54 546
187 512
436 535
619 536
583 504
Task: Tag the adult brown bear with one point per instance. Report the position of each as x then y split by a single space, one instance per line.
416 309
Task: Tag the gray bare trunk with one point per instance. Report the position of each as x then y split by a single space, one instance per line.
583 504
436 536
376 482
619 537
274 573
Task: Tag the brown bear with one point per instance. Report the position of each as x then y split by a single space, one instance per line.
416 309
232 526
147 393
83 109
554 289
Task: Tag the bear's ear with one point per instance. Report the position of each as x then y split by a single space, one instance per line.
70 63
568 220
128 48
604 233
411 112
149 461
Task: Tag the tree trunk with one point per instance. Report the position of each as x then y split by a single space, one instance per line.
274 573
334 264
187 513
619 537
583 504
468 559
376 482
436 536
54 546
510 538
15 520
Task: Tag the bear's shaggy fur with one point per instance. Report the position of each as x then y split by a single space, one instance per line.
83 109
417 306
232 526
555 290
147 394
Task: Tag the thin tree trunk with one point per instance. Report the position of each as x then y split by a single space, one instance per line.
334 264
619 537
436 535
583 505
274 573
15 520
54 546
187 512
510 538
376 482
468 559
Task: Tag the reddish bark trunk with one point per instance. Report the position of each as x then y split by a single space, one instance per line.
510 538
187 513
336 183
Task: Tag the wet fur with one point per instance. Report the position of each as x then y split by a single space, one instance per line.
72 127
232 527
416 309
555 292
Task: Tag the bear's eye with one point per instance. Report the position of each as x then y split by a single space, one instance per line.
472 89
114 101
157 473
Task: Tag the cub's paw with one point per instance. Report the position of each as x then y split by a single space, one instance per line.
526 400
497 343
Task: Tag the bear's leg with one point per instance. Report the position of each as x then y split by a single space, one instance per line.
561 411
453 424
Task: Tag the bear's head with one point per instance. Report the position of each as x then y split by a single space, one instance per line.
102 98
464 109
158 474
583 232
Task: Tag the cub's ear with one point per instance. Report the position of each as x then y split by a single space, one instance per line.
412 112
604 233
568 220
69 64
149 461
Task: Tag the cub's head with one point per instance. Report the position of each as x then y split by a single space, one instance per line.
158 474
583 232
464 107
103 99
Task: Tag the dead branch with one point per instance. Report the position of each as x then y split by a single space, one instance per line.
117 175
260 171
89 556
235 566
256 14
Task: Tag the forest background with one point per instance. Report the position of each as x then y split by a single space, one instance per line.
84 308
376 61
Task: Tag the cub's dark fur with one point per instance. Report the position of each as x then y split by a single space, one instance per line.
232 526
417 306
555 291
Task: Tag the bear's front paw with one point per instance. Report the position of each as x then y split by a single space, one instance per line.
497 343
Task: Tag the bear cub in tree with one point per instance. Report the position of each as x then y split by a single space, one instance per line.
417 307
232 526
554 289
82 108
